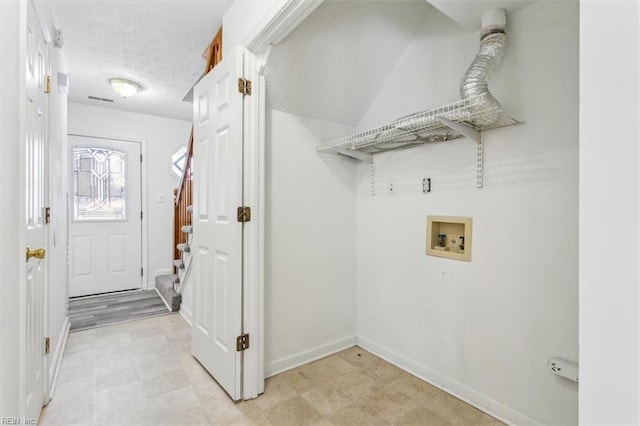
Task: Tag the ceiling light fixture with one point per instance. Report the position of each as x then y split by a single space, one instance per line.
124 88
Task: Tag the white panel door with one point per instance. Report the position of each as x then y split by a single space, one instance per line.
105 229
217 235
36 196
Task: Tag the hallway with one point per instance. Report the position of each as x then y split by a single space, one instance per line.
142 373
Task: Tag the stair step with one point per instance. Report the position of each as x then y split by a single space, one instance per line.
187 229
178 263
190 209
164 286
184 247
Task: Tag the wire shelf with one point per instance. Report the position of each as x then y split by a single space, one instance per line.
437 125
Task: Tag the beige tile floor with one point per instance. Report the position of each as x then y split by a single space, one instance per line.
142 373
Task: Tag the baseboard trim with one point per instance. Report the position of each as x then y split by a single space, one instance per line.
185 313
164 272
490 406
287 363
57 357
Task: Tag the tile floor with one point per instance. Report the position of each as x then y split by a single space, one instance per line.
142 373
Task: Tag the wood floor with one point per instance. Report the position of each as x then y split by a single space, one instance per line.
98 311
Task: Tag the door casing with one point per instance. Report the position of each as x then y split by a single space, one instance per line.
134 206
146 276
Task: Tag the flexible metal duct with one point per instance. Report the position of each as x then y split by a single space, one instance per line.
475 82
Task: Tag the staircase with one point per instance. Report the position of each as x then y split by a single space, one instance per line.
171 286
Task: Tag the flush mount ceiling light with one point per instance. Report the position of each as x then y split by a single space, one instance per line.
124 88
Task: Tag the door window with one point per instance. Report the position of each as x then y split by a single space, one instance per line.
99 184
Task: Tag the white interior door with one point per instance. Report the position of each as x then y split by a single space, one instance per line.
105 229
36 196
217 234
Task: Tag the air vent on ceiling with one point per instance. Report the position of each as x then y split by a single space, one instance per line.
95 98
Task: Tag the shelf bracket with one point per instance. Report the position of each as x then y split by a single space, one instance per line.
480 163
362 156
463 129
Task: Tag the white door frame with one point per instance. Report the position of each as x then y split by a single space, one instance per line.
72 226
270 32
13 21
146 285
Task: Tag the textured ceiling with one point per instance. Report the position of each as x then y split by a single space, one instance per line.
333 64
155 43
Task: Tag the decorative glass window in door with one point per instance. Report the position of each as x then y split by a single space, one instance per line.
99 184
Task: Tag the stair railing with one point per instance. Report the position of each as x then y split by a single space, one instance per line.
183 194
183 197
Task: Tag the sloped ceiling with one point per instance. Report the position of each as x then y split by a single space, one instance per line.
155 43
332 65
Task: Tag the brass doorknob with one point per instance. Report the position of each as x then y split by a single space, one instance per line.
37 253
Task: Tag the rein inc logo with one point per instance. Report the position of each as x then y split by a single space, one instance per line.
17 421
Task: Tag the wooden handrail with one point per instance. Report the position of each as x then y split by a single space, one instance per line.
183 199
183 194
186 172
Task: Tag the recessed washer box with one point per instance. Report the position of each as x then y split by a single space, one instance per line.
449 236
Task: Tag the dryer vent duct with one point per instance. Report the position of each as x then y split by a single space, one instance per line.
475 82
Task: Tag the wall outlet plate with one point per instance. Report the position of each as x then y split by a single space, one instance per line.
564 368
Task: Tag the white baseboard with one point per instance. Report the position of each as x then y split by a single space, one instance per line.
490 406
163 272
57 357
304 357
185 312
151 285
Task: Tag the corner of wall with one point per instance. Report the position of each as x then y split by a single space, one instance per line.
309 355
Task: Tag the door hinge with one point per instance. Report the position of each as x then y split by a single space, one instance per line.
140 215
242 342
47 84
142 272
47 345
141 158
244 86
47 215
244 214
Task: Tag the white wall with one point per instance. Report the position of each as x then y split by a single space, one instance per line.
12 43
485 329
609 201
243 18
310 245
160 137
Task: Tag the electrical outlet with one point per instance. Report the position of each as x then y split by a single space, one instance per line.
426 185
564 368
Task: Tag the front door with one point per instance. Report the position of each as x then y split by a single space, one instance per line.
36 179
217 234
105 229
